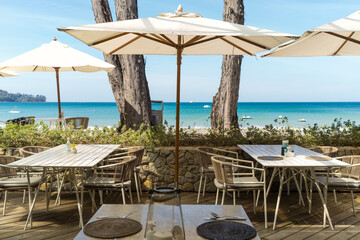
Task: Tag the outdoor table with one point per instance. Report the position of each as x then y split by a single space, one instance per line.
299 163
87 156
193 216
50 120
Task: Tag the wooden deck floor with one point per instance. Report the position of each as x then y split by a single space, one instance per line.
294 222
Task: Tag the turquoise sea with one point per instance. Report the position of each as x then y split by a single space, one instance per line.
194 114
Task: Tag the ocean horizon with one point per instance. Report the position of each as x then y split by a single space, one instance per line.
195 114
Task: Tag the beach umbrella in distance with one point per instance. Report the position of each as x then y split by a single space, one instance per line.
179 33
55 57
7 74
338 38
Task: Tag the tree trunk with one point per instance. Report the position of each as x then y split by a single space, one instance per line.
224 108
128 80
102 14
136 90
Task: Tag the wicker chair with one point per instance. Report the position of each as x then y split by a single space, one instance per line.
22 120
235 175
137 151
348 179
206 168
10 180
77 122
326 150
112 177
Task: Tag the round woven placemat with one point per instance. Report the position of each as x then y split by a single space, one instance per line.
318 158
270 158
112 228
226 230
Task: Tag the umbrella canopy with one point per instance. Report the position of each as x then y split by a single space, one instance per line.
178 34
55 57
338 38
7 74
159 36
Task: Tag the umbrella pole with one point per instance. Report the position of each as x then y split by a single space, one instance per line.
58 89
179 51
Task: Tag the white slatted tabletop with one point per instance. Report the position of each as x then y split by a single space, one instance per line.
87 156
299 160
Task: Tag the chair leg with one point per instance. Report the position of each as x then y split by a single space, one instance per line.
265 207
217 196
300 183
223 197
137 186
234 198
204 187
199 190
123 196
24 196
254 201
287 175
101 197
92 201
29 218
130 195
335 198
311 191
353 203
5 200
139 183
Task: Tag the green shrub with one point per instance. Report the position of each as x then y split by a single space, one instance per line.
339 133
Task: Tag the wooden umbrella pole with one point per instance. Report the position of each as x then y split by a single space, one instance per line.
177 128
58 89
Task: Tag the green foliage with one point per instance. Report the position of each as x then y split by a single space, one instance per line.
339 133
18 97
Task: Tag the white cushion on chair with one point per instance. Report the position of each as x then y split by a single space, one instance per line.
247 182
340 182
105 182
241 182
19 182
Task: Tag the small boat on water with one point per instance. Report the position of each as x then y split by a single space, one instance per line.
191 101
14 111
302 120
246 117
206 106
280 117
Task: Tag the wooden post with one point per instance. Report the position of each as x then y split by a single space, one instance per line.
177 127
58 89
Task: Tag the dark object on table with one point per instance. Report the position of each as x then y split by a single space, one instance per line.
112 228
226 230
22 120
270 158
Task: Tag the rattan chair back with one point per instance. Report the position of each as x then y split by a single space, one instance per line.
326 150
353 172
77 122
6 171
31 150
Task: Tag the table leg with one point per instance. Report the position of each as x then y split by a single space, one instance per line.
58 201
282 173
298 187
30 201
271 180
321 197
81 224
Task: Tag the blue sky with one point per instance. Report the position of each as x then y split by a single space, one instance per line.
26 25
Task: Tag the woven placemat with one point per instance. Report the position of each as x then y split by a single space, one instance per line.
318 158
226 230
270 158
112 228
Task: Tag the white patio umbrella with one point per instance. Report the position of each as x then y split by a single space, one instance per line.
338 38
55 57
8 74
178 34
